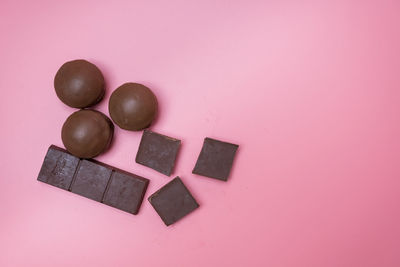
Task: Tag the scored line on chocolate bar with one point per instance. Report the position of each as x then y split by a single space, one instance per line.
107 186
74 176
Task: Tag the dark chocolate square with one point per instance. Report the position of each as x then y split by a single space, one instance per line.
173 201
91 180
58 168
125 191
215 159
158 152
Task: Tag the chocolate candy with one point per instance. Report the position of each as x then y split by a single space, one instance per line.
87 133
93 179
158 152
173 201
215 159
58 168
79 84
132 106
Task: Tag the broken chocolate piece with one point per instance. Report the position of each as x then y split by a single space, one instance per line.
173 201
125 191
215 159
93 179
58 168
158 152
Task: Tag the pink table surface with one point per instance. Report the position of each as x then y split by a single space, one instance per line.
308 89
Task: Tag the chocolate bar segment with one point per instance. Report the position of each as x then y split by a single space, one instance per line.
173 201
215 159
93 179
158 152
125 191
58 168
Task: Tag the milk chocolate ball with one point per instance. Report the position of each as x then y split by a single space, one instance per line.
87 133
79 84
132 106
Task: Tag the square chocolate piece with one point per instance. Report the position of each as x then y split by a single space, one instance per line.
158 152
125 191
215 159
91 180
58 168
173 201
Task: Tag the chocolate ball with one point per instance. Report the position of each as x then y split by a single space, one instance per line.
79 84
87 133
132 106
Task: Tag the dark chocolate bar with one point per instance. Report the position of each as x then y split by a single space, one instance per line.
215 159
158 152
93 179
173 201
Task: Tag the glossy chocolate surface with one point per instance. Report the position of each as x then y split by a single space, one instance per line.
87 133
132 106
79 84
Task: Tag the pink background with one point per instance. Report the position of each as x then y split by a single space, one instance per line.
308 89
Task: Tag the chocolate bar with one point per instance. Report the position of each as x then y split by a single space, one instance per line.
93 179
215 159
173 201
158 152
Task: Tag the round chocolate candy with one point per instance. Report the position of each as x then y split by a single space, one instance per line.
87 133
79 84
132 106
